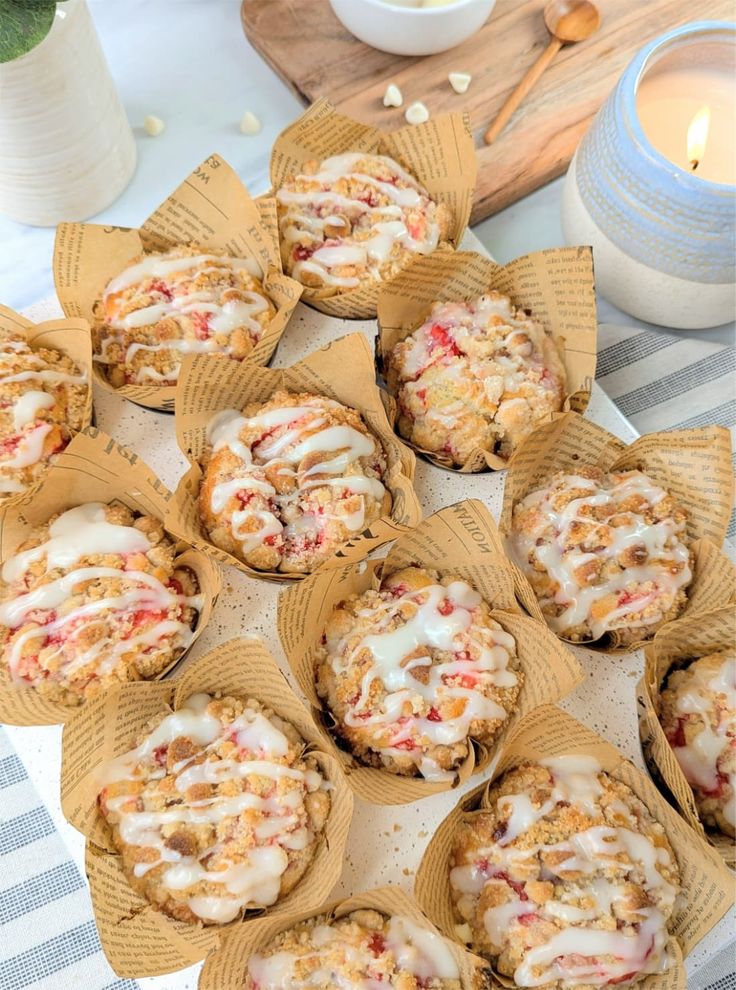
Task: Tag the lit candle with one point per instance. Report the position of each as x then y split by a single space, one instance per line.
686 105
652 186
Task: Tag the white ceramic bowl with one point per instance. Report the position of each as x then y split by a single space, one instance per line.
412 30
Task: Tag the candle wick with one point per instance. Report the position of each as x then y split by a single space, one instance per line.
694 164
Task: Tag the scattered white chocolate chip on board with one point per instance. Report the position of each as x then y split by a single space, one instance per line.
392 97
460 81
417 113
250 124
153 126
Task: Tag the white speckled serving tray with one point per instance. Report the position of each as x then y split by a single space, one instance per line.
385 843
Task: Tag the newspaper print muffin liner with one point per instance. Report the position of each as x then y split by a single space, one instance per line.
440 154
68 337
137 939
461 539
210 209
342 370
93 468
549 732
227 964
556 286
693 465
672 648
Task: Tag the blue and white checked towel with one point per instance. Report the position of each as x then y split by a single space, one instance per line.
48 938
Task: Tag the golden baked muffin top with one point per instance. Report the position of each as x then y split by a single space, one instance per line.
564 879
93 597
189 300
478 374
287 481
604 553
359 950
216 811
697 709
355 219
43 396
415 670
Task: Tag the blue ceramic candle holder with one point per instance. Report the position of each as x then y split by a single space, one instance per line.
664 241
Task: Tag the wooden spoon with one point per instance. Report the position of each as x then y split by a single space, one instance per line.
567 21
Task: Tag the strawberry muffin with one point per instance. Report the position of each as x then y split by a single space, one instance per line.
415 671
43 397
288 481
479 374
563 879
92 598
355 219
362 949
216 811
697 709
185 301
606 554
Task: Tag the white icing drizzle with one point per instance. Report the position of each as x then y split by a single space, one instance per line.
386 225
331 958
442 620
221 317
557 551
281 826
29 450
25 448
28 406
78 533
298 432
162 265
577 953
716 735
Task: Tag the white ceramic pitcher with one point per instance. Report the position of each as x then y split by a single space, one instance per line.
66 147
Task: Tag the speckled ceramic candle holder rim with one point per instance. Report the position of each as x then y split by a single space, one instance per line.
628 90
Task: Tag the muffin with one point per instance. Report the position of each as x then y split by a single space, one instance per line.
186 301
216 810
414 671
288 481
92 598
362 949
606 554
697 709
479 374
564 879
355 219
43 396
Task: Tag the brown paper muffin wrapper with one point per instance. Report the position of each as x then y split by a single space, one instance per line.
210 209
462 540
550 732
673 647
694 465
137 939
343 371
225 968
440 154
556 286
68 337
93 468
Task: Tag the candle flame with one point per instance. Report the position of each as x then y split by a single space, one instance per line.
697 136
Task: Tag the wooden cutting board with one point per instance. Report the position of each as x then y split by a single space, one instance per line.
315 55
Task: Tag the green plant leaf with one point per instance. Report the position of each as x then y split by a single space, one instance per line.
23 25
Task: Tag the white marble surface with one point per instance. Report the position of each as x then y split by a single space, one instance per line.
188 62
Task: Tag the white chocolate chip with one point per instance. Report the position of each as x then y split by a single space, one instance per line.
417 113
250 124
153 126
460 81
392 97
